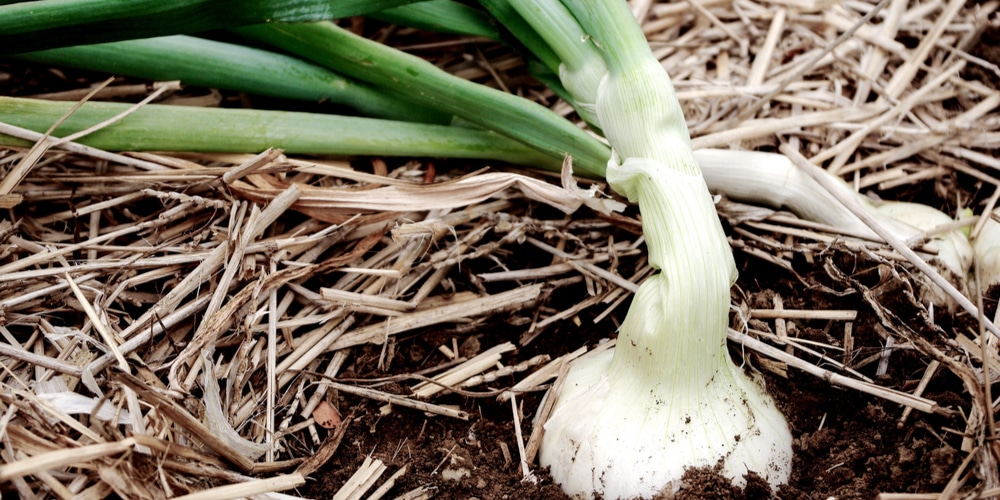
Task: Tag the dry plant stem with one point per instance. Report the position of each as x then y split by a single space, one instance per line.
208 330
40 360
763 57
388 484
186 421
312 463
329 374
15 176
795 344
170 301
862 246
15 303
42 255
843 149
554 269
102 266
921 386
974 348
988 209
20 485
974 156
376 333
591 301
399 401
362 479
925 174
98 323
538 428
252 165
882 41
958 478
204 471
418 493
547 372
804 314
63 458
697 4
897 245
987 354
505 371
903 77
585 267
757 106
57 488
253 227
180 451
901 398
525 468
86 210
146 331
138 424
459 374
311 347
248 489
767 127
352 300
960 122
270 369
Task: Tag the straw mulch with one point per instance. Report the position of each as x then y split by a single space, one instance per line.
214 325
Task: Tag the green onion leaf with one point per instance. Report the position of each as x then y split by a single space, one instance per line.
194 129
46 24
504 12
442 16
419 81
207 63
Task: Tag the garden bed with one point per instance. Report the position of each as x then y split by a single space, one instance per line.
371 304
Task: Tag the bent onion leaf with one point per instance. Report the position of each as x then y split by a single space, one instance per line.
47 24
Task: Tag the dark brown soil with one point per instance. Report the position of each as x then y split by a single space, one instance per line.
988 49
847 444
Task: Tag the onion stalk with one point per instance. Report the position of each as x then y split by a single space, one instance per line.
581 68
667 397
772 180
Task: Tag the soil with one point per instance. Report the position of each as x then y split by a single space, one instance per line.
847 445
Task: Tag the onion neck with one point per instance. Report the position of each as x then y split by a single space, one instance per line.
674 335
